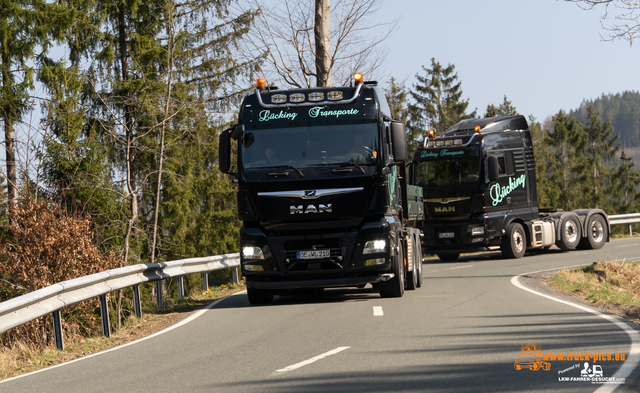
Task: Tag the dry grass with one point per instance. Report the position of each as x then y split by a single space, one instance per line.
23 358
614 286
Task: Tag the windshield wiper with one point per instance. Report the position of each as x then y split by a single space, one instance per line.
350 163
284 166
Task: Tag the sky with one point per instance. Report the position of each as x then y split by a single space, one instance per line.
544 55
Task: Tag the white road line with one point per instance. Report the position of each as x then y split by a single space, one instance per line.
377 311
190 318
312 360
634 352
459 267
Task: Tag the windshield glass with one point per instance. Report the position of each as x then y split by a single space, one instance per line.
307 146
448 169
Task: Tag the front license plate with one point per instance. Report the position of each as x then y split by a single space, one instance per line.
443 235
313 254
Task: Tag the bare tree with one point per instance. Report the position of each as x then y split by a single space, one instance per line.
624 13
287 32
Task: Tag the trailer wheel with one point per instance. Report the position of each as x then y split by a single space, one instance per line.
448 257
259 296
569 233
514 241
395 286
596 235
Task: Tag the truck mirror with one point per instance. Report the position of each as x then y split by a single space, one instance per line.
224 152
492 168
237 132
398 142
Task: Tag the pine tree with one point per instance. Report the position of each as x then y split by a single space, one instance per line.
548 190
506 108
566 133
437 100
28 28
396 95
625 182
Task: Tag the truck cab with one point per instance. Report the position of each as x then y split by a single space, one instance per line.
321 190
479 183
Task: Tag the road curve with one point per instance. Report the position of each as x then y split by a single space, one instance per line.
461 331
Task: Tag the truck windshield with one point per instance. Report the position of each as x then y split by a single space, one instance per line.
442 169
306 146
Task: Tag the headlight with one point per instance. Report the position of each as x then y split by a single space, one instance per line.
252 253
374 246
477 231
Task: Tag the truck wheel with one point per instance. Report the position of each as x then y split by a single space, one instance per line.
259 296
569 233
514 241
419 263
395 286
596 235
412 276
448 257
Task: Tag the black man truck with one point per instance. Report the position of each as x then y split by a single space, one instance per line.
479 183
322 192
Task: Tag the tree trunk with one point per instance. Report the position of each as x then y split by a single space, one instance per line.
9 141
322 32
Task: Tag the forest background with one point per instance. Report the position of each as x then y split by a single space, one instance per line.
111 148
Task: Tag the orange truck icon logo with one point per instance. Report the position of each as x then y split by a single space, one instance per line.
531 357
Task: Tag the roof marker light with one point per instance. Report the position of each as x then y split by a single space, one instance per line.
431 133
260 83
477 129
358 77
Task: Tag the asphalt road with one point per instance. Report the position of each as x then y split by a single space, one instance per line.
460 332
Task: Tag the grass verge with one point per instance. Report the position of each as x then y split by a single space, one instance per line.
21 359
611 286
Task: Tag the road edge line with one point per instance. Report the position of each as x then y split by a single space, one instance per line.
194 315
632 360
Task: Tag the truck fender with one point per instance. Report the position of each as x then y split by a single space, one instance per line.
585 215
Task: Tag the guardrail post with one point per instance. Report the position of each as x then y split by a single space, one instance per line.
205 281
159 296
57 330
137 303
180 288
235 276
104 313
630 232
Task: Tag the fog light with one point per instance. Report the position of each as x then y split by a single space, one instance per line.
252 253
477 240
374 262
374 246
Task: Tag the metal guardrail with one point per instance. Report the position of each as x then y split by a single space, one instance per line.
17 311
628 219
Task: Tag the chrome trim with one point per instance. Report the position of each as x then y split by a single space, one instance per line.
310 103
444 201
310 194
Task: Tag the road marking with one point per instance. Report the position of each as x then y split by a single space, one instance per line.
459 267
377 311
634 352
312 360
190 318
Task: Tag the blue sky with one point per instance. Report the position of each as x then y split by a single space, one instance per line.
544 55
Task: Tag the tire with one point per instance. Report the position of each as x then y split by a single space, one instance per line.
514 241
412 276
259 296
569 233
419 264
596 234
395 286
448 257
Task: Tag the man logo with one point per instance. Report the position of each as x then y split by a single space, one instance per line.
310 193
310 209
445 209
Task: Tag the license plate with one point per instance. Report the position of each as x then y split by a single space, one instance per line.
443 235
313 254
